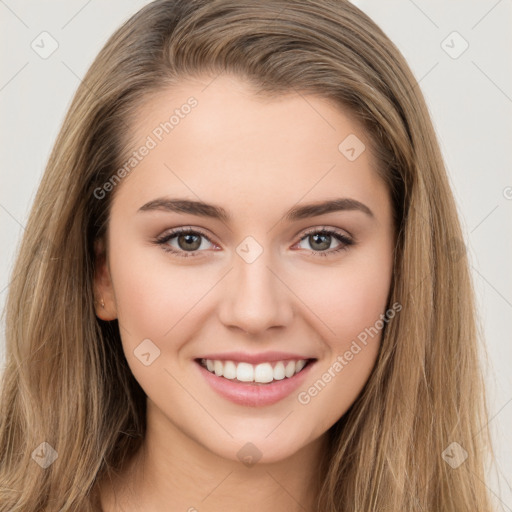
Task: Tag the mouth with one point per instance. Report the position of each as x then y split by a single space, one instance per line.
263 373
254 385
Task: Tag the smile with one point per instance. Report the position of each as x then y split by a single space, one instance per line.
262 373
257 384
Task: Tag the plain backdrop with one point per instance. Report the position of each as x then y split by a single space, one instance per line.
460 52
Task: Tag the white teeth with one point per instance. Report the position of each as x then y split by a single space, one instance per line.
229 370
289 371
246 372
300 365
263 373
279 371
218 368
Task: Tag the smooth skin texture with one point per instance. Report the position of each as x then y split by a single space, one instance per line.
256 158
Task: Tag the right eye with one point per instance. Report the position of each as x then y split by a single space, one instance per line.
188 242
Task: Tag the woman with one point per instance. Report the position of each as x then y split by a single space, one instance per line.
249 139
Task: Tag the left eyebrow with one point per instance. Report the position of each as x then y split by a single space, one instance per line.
217 212
323 207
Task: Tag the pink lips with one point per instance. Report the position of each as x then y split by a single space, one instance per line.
254 394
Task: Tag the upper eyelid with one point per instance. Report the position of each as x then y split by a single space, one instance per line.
338 231
303 233
184 230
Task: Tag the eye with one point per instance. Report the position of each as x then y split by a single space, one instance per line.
188 242
320 241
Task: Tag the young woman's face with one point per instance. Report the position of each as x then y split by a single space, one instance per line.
253 280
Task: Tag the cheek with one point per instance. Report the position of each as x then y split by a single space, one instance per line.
351 303
349 298
359 306
153 294
350 357
155 301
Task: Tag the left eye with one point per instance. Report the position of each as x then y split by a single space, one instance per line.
321 240
189 242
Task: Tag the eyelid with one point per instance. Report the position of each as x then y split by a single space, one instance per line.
317 229
171 233
301 233
347 239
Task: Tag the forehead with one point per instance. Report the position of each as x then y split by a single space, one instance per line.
217 137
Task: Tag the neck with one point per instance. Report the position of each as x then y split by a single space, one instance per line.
172 472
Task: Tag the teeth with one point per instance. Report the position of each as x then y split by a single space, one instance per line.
300 365
289 371
263 373
279 371
229 370
246 372
218 368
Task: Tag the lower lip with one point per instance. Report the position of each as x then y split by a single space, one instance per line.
253 394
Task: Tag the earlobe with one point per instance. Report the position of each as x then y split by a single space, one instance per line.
99 306
104 301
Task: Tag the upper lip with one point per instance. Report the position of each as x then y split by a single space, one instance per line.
262 357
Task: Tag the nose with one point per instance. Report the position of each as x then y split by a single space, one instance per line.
255 298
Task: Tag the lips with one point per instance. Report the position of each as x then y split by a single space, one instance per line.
258 385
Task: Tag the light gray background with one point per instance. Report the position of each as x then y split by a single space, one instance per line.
469 97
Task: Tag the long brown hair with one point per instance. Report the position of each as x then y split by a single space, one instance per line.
66 381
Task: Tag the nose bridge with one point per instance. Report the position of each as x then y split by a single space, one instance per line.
255 299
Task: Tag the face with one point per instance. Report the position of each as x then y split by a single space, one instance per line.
252 237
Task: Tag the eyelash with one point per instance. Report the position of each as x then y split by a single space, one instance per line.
346 242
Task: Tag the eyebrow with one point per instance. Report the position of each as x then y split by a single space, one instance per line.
217 212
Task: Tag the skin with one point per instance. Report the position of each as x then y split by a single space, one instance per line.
274 154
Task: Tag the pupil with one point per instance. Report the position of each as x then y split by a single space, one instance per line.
321 240
189 238
324 236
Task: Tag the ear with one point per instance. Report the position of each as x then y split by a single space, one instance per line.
104 298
